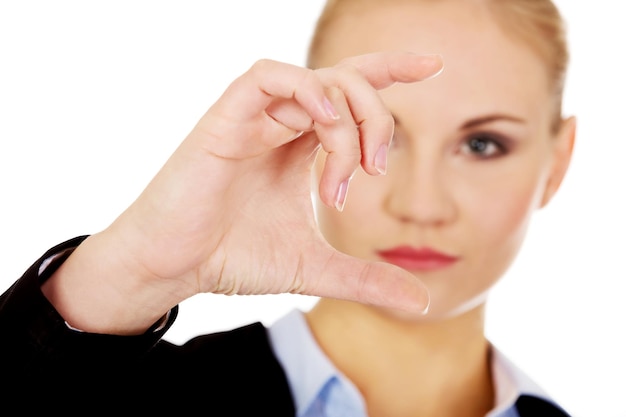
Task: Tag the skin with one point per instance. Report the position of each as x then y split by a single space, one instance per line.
230 211
239 184
441 193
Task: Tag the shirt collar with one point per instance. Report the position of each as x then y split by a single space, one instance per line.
510 382
309 371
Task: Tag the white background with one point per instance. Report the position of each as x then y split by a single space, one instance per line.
95 95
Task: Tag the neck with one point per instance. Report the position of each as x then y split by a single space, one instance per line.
408 367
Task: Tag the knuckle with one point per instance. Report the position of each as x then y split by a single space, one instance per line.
309 78
348 69
261 64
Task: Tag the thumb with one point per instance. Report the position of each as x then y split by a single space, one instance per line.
376 283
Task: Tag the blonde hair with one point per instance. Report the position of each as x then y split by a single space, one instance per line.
537 22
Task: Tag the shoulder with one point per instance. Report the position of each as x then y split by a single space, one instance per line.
516 390
233 354
530 406
228 366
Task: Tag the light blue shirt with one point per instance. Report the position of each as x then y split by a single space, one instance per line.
320 390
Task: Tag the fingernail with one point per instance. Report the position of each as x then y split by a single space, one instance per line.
380 159
296 135
438 61
330 109
340 201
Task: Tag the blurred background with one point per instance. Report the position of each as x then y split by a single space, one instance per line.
94 96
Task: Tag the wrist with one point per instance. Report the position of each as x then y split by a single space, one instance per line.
93 290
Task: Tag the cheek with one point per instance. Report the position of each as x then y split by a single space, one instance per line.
500 214
492 222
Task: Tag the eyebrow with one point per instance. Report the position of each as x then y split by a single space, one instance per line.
477 121
490 118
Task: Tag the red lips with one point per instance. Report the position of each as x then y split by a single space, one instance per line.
417 259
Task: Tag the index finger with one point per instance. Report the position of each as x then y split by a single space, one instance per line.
358 78
382 69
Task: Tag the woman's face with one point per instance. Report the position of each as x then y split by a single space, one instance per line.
472 157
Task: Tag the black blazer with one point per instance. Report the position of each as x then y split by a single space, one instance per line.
46 367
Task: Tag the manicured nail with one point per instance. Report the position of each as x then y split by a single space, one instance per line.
340 201
380 159
437 59
296 135
330 109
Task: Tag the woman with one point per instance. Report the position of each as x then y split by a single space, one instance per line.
473 156
431 221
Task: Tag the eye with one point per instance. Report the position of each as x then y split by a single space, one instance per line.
483 146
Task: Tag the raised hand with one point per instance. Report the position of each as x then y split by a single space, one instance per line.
230 211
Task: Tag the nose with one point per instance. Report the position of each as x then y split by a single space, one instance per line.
420 192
